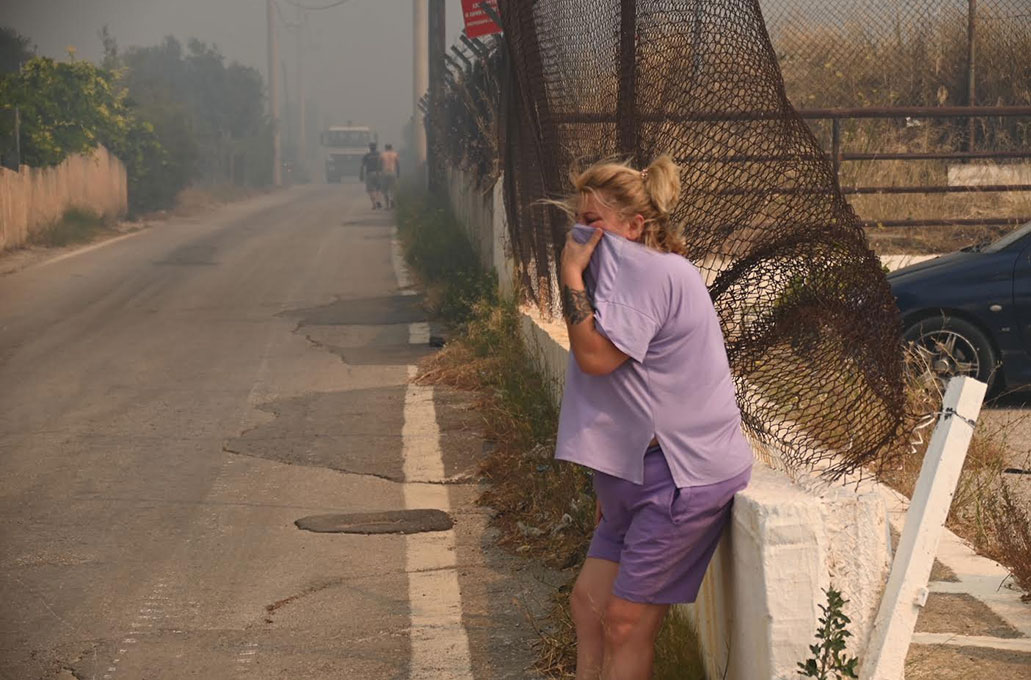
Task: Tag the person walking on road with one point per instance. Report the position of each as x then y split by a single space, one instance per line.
391 171
649 406
371 171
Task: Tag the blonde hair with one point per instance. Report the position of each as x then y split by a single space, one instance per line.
652 193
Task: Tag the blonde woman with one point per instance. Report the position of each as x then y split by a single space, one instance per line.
649 406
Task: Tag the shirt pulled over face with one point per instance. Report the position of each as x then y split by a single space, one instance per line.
676 386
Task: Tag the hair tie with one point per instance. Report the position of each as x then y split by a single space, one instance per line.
644 174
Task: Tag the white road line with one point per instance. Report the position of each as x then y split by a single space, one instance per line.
91 248
440 645
404 281
419 333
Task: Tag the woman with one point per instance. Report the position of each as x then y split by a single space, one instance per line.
649 405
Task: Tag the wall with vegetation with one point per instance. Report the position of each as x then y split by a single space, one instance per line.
34 198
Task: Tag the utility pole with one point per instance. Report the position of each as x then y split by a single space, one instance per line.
420 82
273 92
302 114
436 47
971 61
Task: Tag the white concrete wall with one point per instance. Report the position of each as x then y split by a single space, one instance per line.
788 539
482 214
33 198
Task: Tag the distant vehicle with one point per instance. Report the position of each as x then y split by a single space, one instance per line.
969 312
345 145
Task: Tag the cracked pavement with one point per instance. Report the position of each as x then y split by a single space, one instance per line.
171 404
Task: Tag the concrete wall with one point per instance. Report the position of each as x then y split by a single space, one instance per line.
34 198
482 214
788 539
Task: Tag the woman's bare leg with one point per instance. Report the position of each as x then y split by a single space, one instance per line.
630 632
589 601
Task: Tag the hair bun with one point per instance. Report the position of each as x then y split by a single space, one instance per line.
662 182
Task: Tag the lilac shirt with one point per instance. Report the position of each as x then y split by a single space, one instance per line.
676 385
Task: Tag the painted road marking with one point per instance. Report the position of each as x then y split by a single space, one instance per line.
440 644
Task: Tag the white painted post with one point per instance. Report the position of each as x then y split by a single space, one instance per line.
906 591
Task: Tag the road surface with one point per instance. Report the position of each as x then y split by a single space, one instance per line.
170 404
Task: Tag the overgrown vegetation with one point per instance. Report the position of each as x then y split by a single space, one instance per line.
984 510
173 116
75 226
544 509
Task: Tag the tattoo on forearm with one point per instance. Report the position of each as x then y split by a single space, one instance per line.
576 306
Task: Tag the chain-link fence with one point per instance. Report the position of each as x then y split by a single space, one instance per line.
860 53
811 328
462 128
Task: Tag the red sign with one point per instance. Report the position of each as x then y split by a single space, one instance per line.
477 22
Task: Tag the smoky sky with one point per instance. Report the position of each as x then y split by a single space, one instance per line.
358 57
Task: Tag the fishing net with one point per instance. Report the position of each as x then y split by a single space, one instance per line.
812 332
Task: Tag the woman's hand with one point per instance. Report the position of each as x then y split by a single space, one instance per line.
597 512
576 256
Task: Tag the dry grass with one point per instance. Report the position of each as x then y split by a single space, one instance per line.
77 225
880 137
984 510
919 62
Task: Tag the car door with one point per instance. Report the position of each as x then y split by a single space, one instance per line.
1022 296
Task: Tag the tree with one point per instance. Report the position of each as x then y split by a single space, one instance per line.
207 113
15 50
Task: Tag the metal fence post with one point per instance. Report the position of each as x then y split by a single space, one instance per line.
906 591
971 60
836 148
626 98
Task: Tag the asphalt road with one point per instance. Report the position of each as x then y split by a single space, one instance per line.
171 403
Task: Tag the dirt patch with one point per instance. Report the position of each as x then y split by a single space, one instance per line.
940 662
962 614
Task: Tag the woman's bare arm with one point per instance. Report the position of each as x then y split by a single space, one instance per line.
594 353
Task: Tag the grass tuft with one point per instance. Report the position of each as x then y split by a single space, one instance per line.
77 225
984 510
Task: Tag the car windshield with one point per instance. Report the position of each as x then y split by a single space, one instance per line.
348 138
1007 240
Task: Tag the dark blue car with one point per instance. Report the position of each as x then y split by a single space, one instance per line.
969 312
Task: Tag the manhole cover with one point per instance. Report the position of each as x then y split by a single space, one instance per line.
391 522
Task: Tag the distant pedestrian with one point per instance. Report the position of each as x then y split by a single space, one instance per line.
649 406
391 171
371 171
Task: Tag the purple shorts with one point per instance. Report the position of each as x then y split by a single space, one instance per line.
662 537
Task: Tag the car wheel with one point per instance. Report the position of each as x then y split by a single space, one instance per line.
953 347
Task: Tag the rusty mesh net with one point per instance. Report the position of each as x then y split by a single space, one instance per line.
812 332
462 126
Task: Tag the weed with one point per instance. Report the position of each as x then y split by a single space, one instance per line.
77 225
677 654
1010 539
442 257
829 661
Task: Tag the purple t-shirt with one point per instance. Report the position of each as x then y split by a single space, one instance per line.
676 386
